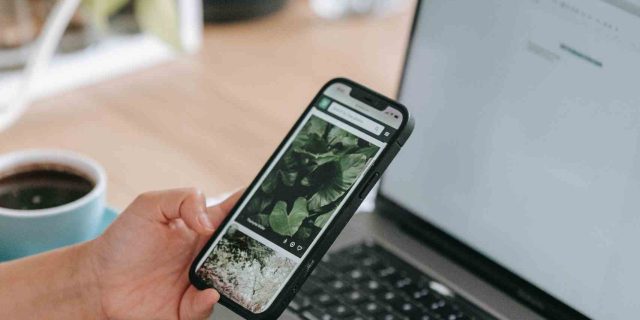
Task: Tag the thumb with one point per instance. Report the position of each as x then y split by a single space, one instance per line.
196 304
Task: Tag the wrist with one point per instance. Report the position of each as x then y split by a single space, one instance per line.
88 279
60 284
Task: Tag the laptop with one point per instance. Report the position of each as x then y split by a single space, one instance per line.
518 195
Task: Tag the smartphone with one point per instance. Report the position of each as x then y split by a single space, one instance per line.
301 199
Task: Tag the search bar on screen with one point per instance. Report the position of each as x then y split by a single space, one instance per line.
355 118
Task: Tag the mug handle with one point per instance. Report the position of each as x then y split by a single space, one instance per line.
44 49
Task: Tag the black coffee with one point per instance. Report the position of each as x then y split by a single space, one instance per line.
42 188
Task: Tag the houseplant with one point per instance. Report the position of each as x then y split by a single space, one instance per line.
158 17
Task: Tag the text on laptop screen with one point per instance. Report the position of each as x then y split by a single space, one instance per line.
528 144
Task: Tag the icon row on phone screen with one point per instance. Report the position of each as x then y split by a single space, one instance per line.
292 244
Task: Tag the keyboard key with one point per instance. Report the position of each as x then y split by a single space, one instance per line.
403 283
388 296
442 308
438 304
409 309
356 275
387 316
397 303
430 299
338 286
364 279
387 272
340 311
420 293
372 263
373 286
453 317
354 297
300 303
372 308
316 314
452 314
403 306
324 299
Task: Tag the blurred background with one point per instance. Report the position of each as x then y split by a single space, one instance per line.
171 93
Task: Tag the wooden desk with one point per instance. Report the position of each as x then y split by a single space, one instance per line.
212 119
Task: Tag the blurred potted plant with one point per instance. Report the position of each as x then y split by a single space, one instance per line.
22 20
157 17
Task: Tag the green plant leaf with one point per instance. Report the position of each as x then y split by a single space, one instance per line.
263 220
318 161
334 179
270 182
288 178
325 196
258 204
322 219
370 151
288 224
310 137
305 181
340 136
159 17
316 126
284 172
277 175
351 167
101 10
303 233
326 157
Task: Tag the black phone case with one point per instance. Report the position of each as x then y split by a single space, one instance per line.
333 229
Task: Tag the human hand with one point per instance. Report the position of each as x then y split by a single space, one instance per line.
142 261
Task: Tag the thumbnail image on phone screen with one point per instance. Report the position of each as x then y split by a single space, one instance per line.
293 201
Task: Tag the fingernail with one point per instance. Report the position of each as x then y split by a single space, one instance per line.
204 221
216 295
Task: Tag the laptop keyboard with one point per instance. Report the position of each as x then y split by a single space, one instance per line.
366 281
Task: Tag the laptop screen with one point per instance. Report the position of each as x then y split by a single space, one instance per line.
527 143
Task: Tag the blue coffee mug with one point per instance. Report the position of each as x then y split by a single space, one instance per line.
27 232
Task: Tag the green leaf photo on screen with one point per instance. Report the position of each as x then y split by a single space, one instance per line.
304 188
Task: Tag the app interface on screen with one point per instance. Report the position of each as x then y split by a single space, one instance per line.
292 203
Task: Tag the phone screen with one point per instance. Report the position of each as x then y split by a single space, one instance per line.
297 197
